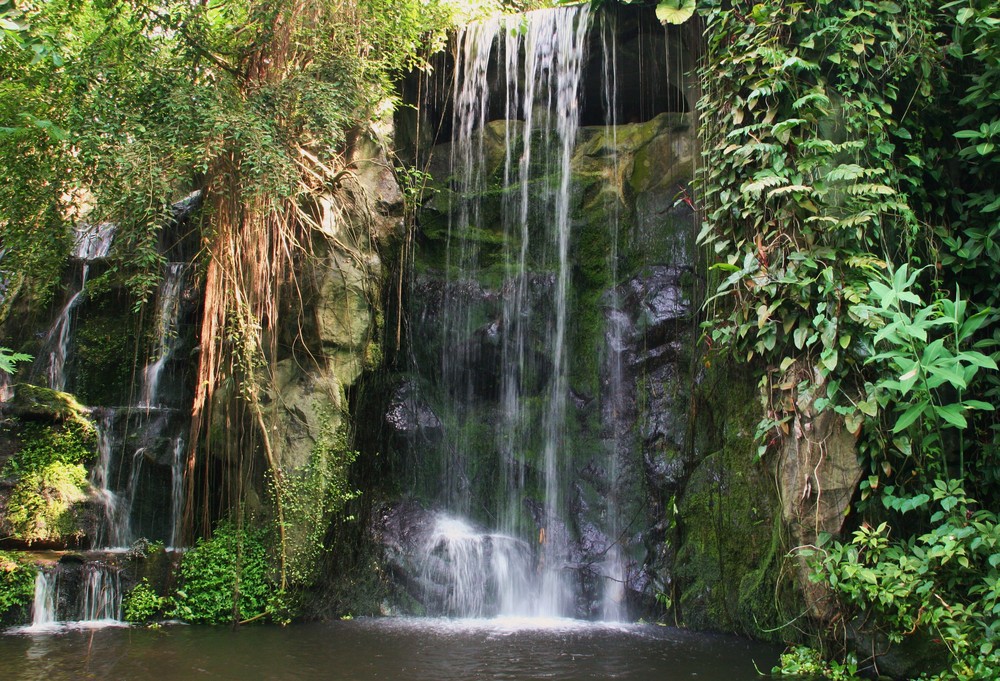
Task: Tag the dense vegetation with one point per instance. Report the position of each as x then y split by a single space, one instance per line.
850 147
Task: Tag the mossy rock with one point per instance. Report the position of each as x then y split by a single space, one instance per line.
731 544
47 404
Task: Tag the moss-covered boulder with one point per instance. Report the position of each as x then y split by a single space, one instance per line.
46 440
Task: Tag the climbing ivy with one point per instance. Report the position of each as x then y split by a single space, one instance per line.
852 227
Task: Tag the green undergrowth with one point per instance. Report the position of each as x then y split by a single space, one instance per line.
17 583
226 578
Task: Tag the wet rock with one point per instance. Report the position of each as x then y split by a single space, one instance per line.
408 414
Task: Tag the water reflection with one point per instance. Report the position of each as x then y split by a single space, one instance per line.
394 649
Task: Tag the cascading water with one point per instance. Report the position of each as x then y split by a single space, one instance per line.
176 492
121 476
92 242
546 261
115 528
43 608
98 598
167 315
101 594
137 480
613 567
541 61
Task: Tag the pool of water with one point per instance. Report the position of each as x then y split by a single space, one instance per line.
393 649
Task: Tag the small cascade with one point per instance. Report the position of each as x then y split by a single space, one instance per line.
114 530
139 469
43 608
58 338
92 242
101 594
167 317
476 574
176 492
77 593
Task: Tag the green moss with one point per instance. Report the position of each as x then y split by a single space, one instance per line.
72 442
41 508
729 558
51 479
44 403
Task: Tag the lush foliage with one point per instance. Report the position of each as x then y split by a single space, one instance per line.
112 110
17 582
805 662
946 580
225 578
142 603
848 146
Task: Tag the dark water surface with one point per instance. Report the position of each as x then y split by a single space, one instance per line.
395 649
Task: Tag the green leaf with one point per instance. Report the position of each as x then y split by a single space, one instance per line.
910 415
675 11
952 413
977 404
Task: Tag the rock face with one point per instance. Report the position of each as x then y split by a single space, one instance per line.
818 472
632 335
665 503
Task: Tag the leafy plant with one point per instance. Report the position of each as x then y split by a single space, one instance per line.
855 242
9 359
17 582
945 580
225 578
802 661
142 603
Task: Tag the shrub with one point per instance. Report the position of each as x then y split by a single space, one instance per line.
17 582
225 578
142 604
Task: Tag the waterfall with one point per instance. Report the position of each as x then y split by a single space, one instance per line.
115 530
43 608
144 432
101 594
167 316
176 492
98 598
613 568
521 566
58 338
91 242
474 573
